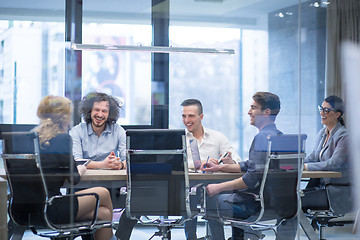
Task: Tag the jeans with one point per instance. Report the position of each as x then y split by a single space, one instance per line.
239 206
216 229
215 225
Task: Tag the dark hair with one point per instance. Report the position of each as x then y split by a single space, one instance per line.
268 100
338 105
87 104
189 102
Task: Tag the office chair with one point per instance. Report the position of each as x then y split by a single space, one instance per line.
279 187
157 179
332 215
29 199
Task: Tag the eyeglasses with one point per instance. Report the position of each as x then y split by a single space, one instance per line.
325 110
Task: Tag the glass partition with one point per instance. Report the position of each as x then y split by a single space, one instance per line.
274 51
125 75
280 46
32 66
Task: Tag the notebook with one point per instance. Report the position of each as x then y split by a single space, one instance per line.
195 154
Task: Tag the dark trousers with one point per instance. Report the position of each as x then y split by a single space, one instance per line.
237 206
125 227
216 227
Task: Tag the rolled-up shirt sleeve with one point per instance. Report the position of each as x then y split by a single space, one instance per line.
254 167
243 165
77 148
122 144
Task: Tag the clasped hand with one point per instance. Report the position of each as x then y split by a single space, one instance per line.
113 162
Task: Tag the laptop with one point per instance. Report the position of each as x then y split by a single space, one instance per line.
195 154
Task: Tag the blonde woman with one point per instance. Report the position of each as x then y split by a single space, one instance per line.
55 148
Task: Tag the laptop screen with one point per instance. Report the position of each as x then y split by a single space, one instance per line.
195 153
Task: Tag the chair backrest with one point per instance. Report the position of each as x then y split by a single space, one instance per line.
157 176
279 191
21 157
5 127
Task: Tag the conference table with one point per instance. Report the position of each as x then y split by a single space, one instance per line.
120 175
109 175
117 179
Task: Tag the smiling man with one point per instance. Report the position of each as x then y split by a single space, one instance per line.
211 145
242 204
100 138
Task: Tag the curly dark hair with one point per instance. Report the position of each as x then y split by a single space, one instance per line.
87 104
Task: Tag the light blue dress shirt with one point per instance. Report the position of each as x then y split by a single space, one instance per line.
86 144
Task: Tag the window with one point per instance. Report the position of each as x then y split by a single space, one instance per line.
32 67
125 75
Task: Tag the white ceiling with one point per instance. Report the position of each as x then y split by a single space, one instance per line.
245 13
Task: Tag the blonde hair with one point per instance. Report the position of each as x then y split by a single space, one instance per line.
54 113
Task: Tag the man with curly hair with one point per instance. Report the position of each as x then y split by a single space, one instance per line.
99 137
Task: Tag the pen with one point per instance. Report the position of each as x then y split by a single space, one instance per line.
223 156
206 163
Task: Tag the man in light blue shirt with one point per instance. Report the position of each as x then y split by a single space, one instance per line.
100 138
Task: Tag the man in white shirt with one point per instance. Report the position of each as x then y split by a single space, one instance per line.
212 145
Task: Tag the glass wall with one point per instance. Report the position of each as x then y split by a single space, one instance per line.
32 66
125 75
280 46
267 52
274 51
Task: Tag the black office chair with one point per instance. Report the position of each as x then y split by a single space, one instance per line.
157 179
29 198
334 214
279 187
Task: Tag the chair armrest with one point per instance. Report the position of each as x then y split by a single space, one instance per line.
123 190
193 190
93 221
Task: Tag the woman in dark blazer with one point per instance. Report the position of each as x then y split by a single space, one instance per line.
331 153
59 165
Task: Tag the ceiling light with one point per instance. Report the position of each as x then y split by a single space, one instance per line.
153 49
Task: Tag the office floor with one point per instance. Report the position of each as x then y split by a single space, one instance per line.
143 233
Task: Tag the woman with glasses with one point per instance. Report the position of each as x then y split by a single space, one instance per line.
331 153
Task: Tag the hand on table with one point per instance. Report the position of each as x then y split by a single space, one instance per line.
81 169
210 166
228 159
112 162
